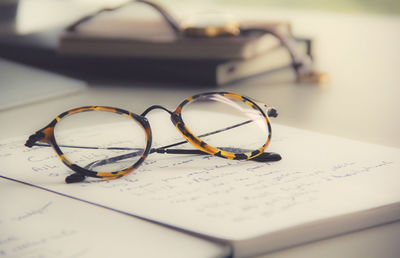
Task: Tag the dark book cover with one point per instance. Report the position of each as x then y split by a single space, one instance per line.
41 50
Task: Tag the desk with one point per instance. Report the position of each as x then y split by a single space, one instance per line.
362 56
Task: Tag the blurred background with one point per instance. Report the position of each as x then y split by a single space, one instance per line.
356 6
35 15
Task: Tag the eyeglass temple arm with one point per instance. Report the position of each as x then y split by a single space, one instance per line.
171 21
263 157
302 63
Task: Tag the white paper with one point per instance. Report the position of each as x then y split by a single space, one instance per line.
22 85
319 177
35 223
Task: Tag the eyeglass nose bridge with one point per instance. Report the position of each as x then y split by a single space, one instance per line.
155 107
175 119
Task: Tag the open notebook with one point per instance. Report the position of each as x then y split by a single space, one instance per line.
323 186
63 235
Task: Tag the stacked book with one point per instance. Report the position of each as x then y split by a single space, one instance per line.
151 50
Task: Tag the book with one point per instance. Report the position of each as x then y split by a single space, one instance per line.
41 50
238 47
272 61
126 33
323 186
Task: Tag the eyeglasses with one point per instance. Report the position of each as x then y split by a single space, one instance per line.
111 142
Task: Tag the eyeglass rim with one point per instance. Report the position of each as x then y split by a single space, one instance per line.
50 139
177 120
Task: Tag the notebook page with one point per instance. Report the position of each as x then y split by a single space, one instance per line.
36 223
319 177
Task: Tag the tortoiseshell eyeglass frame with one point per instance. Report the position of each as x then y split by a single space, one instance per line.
45 137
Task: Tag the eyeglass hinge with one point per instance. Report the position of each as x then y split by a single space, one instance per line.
272 112
34 138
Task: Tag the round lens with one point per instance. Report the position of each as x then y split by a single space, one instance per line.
226 122
101 141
